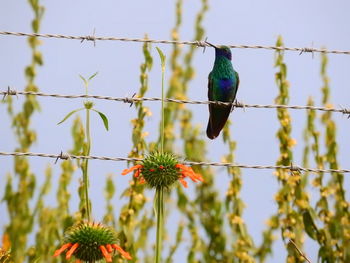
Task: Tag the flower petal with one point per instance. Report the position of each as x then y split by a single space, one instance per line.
199 177
126 171
137 173
183 182
72 250
109 248
61 249
187 171
105 253
192 176
142 180
121 251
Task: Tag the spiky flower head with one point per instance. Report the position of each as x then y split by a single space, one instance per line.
162 170
90 242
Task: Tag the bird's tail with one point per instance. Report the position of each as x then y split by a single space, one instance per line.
217 120
210 132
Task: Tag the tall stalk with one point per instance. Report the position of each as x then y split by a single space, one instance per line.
159 195
159 201
86 152
86 165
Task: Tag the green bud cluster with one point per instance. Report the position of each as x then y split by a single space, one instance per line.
90 236
159 170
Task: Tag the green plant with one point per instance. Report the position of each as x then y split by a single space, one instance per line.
88 106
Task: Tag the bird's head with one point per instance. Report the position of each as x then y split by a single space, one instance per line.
223 51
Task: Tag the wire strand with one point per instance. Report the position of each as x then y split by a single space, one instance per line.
65 156
133 99
177 42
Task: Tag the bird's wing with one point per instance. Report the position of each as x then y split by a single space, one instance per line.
210 93
237 84
210 106
210 88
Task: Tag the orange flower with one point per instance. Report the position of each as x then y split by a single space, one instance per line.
136 167
90 242
137 173
105 250
183 172
188 172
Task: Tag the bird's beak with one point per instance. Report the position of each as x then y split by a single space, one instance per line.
210 44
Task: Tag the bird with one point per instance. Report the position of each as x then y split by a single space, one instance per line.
223 82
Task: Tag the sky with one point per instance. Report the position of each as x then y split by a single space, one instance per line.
301 23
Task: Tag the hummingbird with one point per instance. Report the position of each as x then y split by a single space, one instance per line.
223 84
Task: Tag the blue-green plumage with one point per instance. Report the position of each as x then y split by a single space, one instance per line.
223 83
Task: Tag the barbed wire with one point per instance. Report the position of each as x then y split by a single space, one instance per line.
133 99
177 42
66 156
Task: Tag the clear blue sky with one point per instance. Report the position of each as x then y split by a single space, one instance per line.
301 23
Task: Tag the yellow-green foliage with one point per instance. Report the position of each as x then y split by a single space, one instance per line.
243 246
292 200
334 236
172 109
18 198
109 218
129 218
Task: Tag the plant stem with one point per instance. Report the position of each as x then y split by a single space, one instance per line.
162 128
159 202
86 164
159 199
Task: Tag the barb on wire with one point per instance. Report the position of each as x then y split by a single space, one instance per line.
308 49
90 38
129 100
63 156
104 158
294 168
202 44
345 111
134 99
195 43
9 92
238 104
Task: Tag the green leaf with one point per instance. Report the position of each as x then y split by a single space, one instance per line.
279 42
30 72
38 58
36 260
310 226
35 25
110 188
323 255
103 117
93 75
162 57
70 114
83 79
